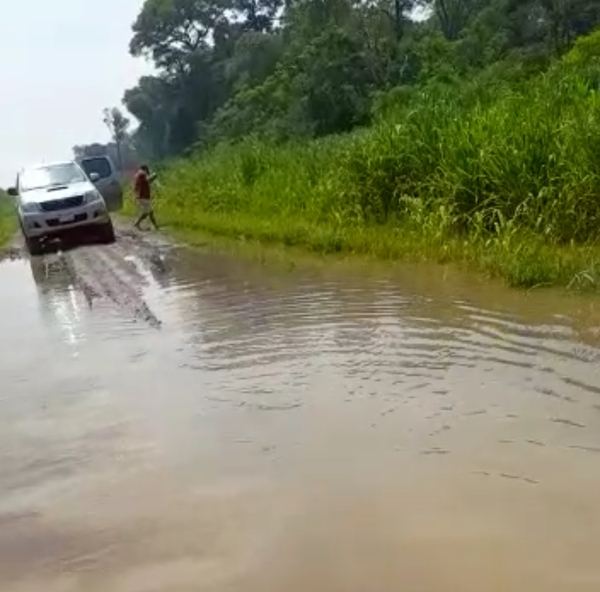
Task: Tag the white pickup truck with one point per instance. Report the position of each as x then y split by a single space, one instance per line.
54 198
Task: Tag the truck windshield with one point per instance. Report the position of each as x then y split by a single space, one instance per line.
50 176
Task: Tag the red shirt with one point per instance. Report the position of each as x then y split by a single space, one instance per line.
142 185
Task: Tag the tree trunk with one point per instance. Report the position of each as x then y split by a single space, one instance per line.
398 21
119 158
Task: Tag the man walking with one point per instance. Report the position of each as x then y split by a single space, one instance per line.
142 188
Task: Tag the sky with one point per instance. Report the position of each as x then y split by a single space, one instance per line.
62 62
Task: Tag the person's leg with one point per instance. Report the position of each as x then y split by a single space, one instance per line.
140 220
153 220
145 210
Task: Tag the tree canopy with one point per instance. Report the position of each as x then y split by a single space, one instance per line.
298 68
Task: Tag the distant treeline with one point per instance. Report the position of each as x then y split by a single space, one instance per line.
126 156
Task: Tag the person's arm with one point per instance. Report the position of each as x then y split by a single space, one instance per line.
152 177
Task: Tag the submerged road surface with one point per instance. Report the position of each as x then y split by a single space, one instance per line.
175 422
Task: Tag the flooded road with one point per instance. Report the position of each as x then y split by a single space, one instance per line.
174 421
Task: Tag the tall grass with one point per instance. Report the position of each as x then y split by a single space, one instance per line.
503 178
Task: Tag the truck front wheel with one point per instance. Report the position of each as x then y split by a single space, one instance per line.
107 233
34 246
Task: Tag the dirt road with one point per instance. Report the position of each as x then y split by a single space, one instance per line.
174 421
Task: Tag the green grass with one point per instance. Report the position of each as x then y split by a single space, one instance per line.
8 221
503 178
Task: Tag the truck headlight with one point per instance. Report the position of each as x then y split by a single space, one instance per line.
92 197
30 207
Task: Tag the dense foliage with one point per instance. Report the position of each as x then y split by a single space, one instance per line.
308 68
451 129
501 171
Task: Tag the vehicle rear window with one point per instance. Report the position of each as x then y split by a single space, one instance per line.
97 165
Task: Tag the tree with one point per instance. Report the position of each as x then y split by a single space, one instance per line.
257 15
170 31
290 68
118 125
454 15
555 23
399 13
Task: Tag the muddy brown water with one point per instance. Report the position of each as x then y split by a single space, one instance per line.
175 421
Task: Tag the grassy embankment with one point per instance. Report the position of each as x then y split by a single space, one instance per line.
502 177
8 222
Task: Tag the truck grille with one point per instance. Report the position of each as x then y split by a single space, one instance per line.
61 204
56 222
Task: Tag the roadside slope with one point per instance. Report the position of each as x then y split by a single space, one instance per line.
8 223
494 175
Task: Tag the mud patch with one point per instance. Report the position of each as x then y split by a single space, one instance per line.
107 272
104 273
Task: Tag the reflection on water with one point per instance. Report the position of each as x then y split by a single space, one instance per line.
195 422
58 298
